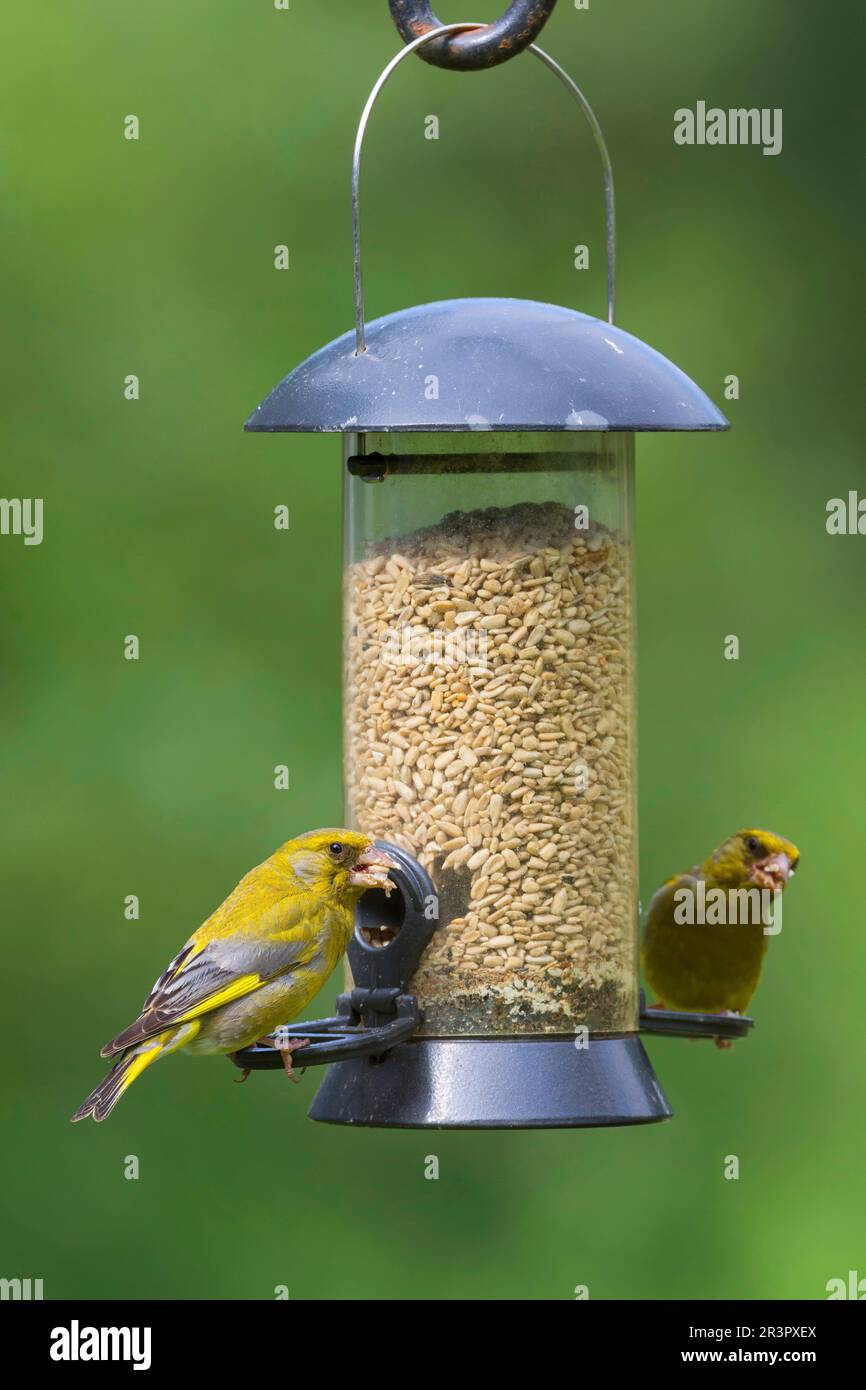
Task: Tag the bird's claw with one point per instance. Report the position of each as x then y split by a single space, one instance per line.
240 1079
727 1043
287 1046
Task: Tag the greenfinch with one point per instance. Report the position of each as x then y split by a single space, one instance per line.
255 963
713 966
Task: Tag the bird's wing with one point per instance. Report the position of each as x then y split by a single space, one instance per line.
688 878
661 905
211 971
662 895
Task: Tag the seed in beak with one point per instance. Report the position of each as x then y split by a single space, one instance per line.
376 857
371 870
774 871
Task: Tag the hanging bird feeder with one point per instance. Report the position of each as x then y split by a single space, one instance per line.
488 453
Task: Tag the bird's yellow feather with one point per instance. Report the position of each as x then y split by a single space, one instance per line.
255 963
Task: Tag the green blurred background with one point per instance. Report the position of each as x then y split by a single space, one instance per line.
156 777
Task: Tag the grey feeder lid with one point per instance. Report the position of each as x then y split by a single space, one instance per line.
501 364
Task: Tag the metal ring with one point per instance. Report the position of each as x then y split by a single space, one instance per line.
568 82
495 43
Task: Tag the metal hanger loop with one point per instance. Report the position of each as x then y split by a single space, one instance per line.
572 87
474 51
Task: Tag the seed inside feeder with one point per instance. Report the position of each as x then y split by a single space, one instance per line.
489 734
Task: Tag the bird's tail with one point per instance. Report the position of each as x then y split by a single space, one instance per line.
102 1101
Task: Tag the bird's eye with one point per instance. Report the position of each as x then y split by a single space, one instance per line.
753 846
336 850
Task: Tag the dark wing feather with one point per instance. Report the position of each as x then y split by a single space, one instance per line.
171 998
222 971
168 974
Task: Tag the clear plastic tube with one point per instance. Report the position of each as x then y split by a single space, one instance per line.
489 716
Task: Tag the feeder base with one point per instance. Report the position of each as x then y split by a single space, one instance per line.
493 1083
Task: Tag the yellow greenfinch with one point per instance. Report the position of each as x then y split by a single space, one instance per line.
710 961
255 963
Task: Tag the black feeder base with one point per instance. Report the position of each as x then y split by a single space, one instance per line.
487 1083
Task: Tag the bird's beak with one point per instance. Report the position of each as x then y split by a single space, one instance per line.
773 872
371 870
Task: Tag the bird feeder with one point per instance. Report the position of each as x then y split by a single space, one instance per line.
489 695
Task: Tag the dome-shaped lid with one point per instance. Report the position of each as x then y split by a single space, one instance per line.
499 364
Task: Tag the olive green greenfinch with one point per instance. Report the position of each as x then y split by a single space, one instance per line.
255 963
711 966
